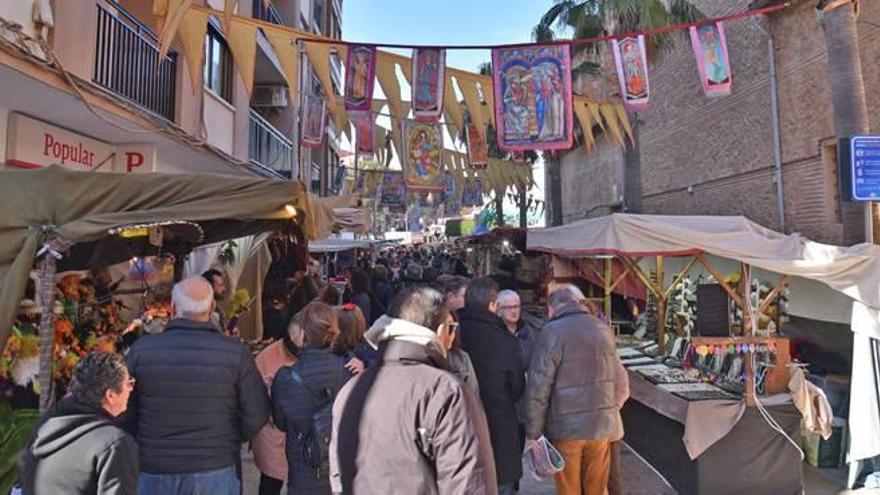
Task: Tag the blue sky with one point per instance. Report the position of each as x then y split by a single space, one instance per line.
443 22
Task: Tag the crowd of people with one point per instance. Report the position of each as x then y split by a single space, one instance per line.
413 378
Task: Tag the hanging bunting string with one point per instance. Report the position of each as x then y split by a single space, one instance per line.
576 41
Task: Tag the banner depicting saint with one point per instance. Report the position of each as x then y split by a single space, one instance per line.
392 191
533 97
422 151
365 130
632 71
478 150
314 121
360 73
710 50
429 69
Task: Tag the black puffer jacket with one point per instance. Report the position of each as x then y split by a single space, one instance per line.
77 450
573 388
495 354
293 406
198 396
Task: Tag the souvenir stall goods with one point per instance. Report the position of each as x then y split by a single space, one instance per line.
533 97
713 61
701 407
631 62
428 76
359 78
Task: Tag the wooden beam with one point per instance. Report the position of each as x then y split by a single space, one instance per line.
773 294
620 278
724 285
680 277
608 287
640 274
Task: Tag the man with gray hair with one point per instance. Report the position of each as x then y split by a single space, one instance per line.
198 397
575 367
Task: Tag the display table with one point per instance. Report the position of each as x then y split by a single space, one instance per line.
752 458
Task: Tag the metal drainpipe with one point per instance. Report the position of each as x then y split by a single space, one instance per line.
777 140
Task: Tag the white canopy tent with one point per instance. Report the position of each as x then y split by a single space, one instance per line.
853 271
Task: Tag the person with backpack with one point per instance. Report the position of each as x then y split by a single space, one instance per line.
302 399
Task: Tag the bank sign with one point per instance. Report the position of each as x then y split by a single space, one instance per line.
864 157
32 143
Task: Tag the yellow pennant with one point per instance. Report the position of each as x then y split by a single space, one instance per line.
624 119
450 105
170 15
192 41
386 74
610 115
472 100
241 38
288 55
583 116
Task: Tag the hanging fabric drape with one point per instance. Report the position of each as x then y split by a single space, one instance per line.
191 31
241 38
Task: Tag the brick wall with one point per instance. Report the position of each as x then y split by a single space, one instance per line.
591 182
715 155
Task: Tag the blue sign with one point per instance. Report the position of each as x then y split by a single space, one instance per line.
865 167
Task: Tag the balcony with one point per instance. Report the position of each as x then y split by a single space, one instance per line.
268 147
266 11
127 62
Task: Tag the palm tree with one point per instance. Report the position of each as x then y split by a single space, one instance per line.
847 86
591 18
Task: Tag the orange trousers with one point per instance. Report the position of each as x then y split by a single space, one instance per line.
587 467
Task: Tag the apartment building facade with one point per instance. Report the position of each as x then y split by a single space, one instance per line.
716 156
116 107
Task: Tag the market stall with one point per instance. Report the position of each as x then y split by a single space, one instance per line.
60 220
709 391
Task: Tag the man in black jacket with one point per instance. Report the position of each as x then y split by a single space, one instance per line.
76 448
198 397
500 373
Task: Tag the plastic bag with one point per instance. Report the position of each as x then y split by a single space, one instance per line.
542 459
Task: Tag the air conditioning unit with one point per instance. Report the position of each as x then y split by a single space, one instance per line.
269 97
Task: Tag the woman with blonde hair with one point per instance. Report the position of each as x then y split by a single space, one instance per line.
303 392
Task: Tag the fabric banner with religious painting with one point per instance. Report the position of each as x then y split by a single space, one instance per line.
472 193
429 70
422 154
392 191
533 97
365 127
314 121
478 150
631 62
367 183
360 74
710 50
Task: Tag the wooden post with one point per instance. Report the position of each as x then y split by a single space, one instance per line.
608 287
661 303
47 327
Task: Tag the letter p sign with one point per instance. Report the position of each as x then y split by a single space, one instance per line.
133 160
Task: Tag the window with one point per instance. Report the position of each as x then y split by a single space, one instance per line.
218 64
318 11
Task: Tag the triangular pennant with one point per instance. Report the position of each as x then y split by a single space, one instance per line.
489 97
386 74
319 57
288 55
624 119
228 11
472 100
610 116
171 14
583 116
596 113
192 41
450 105
241 38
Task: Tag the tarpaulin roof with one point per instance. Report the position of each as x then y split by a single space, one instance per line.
83 207
336 245
853 271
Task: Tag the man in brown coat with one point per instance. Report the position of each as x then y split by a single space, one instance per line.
408 425
576 387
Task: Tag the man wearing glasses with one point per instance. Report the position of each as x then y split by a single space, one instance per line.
510 311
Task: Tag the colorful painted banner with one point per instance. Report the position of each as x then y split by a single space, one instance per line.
392 192
478 150
429 69
472 193
533 97
360 74
710 50
365 127
631 63
422 153
314 121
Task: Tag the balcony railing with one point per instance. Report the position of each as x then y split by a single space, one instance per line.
265 11
268 147
127 62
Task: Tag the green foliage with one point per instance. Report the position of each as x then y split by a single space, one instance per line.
15 430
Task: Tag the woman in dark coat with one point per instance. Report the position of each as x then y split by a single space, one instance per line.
323 371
